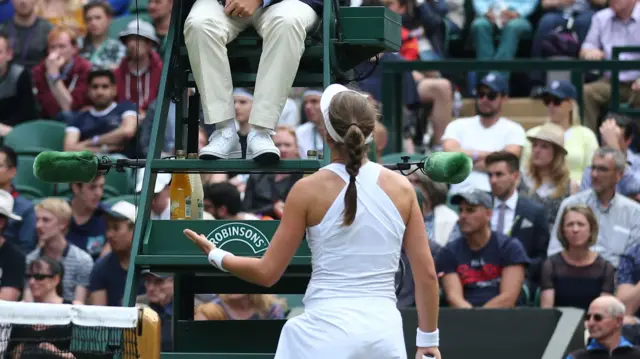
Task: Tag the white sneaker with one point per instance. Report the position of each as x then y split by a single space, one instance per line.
261 148
221 144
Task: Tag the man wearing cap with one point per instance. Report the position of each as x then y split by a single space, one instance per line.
138 76
106 126
160 203
60 79
109 273
158 296
482 268
283 26
484 133
310 134
12 261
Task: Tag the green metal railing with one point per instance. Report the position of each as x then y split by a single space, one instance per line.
392 72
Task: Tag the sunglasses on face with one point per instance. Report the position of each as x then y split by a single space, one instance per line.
597 317
490 95
39 276
552 100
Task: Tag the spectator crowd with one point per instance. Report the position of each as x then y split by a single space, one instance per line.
548 217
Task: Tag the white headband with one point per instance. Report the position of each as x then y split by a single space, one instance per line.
243 93
325 101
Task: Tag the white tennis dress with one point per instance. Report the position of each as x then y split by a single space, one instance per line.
350 304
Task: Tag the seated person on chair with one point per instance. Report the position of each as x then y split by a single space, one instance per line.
283 26
482 268
106 126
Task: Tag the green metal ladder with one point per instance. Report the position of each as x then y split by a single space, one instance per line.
346 38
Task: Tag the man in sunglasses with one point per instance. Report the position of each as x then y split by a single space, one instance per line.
487 132
604 323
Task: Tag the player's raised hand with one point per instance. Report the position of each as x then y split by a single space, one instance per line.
200 240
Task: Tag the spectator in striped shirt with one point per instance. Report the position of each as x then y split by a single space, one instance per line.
52 224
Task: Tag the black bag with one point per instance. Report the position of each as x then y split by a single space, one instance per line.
562 41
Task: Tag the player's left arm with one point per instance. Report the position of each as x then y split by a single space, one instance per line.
267 270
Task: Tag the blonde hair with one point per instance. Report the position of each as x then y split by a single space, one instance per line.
58 207
260 303
559 173
587 212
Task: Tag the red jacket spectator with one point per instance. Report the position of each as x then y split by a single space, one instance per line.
75 80
409 48
141 89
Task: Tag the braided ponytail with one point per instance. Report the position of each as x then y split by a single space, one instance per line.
353 118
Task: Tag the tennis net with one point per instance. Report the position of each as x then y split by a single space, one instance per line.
61 331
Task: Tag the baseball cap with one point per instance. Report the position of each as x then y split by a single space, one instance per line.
148 272
162 181
561 89
474 197
123 210
6 205
495 82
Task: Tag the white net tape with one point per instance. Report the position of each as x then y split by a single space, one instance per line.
63 314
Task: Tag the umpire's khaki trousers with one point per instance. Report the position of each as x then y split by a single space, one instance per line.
597 96
283 28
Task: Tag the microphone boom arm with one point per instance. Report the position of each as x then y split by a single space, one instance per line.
105 163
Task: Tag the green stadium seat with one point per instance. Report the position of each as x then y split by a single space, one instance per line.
117 183
35 201
26 182
33 137
139 6
121 23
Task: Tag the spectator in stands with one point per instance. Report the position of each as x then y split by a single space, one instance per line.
617 214
21 232
12 263
45 281
561 16
17 103
66 13
577 275
509 19
546 178
106 126
53 216
604 323
514 215
138 76
439 220
628 282
616 26
27 33
242 103
617 133
88 225
97 47
283 26
159 297
109 273
169 141
579 141
242 307
222 200
484 133
161 200
482 268
160 14
61 78
310 135
266 193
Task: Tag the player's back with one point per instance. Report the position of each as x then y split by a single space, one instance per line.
359 260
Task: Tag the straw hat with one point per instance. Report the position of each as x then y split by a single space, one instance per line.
550 132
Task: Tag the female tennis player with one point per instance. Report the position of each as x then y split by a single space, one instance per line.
357 216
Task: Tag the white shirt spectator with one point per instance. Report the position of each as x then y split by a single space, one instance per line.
308 139
472 135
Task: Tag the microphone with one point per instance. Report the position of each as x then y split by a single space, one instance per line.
76 167
444 167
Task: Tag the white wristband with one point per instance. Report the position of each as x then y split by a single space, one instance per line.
424 340
216 256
